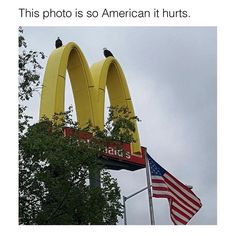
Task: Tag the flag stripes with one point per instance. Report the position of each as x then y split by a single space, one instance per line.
171 180
175 190
168 194
184 204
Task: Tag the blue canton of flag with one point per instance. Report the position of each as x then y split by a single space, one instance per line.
155 168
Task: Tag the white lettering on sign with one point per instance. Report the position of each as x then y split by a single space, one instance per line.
117 152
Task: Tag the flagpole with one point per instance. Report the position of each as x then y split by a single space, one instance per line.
149 190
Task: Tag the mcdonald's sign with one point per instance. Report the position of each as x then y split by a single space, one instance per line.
88 85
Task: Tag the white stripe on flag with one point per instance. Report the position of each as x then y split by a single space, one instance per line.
162 192
157 177
180 216
159 185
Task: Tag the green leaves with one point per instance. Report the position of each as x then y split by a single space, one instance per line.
28 78
120 124
29 66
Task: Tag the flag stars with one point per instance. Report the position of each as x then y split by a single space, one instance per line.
155 168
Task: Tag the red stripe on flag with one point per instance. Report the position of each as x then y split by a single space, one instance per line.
161 195
180 212
160 188
158 180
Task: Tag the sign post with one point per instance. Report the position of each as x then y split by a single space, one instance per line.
94 178
124 207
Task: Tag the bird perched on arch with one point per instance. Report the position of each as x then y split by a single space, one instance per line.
107 53
58 43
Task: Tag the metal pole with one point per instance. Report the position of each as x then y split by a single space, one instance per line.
126 198
136 193
149 191
125 219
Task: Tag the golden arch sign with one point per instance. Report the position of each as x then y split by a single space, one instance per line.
88 85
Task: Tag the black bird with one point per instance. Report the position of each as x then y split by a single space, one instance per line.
58 43
107 53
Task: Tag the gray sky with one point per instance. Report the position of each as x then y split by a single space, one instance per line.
171 74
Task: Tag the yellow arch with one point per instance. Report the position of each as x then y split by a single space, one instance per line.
88 87
53 93
108 73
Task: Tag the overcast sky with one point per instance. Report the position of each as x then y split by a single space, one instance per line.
171 74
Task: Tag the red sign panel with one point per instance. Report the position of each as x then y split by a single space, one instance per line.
117 153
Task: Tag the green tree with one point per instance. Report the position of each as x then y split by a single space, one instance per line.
54 169
54 179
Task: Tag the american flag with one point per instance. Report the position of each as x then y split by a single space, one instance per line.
184 204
